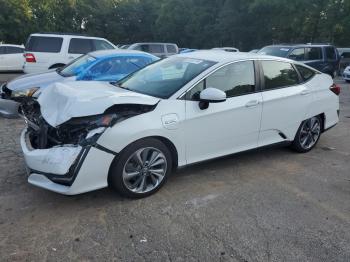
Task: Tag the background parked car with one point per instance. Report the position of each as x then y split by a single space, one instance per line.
161 50
346 74
344 54
227 49
323 57
45 51
11 57
107 65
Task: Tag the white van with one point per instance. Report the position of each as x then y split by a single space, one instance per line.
45 51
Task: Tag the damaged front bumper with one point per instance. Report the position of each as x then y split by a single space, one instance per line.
67 170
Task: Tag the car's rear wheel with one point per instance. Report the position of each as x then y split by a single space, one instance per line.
141 169
308 135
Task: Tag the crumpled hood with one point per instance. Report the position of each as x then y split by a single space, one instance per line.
62 101
40 80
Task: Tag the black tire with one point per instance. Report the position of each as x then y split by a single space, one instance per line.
116 180
297 144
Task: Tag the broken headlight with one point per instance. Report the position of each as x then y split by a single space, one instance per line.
85 130
24 93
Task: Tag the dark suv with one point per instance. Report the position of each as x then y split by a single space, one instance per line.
323 57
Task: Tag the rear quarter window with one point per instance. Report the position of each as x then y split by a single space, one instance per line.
306 73
44 44
14 50
80 46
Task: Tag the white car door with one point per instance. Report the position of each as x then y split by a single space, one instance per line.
285 102
227 127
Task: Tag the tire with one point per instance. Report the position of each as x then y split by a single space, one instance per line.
131 173
308 135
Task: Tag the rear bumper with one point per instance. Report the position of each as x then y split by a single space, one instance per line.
8 108
67 170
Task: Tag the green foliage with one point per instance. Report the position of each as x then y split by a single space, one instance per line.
191 23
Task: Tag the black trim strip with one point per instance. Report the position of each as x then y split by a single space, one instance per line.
102 148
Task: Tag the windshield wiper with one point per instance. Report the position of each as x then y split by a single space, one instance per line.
120 86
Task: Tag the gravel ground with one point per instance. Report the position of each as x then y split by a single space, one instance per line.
266 205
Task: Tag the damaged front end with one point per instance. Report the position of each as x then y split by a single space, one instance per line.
58 152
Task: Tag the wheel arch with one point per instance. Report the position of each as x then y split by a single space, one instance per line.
169 144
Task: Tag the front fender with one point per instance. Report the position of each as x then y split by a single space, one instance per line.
145 125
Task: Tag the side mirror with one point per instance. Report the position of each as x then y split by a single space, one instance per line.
211 95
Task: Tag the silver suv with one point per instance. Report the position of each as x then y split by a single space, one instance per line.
161 50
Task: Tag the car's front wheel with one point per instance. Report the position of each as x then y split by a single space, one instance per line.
308 135
141 169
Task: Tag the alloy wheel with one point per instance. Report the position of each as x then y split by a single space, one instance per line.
144 170
310 133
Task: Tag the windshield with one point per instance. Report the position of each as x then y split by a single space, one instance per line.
275 51
162 79
77 66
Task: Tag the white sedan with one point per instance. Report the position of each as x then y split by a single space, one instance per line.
11 57
346 74
182 110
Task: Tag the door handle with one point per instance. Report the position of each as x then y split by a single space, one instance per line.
305 92
252 103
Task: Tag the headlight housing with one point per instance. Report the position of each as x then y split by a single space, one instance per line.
24 93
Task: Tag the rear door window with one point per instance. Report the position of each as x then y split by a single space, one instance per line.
330 53
152 48
279 74
14 50
101 45
313 53
80 46
44 44
2 50
306 73
346 55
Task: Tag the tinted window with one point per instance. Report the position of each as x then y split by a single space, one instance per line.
235 80
275 51
171 49
2 50
298 54
279 74
164 78
14 50
152 48
330 53
306 73
346 55
313 53
44 44
80 46
102 45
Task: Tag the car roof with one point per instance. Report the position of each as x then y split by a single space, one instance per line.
65 35
117 52
150 43
298 45
219 56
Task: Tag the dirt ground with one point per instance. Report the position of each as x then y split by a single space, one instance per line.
266 205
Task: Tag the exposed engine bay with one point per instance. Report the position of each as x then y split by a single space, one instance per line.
76 131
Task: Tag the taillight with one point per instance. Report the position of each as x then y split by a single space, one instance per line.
335 89
30 58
